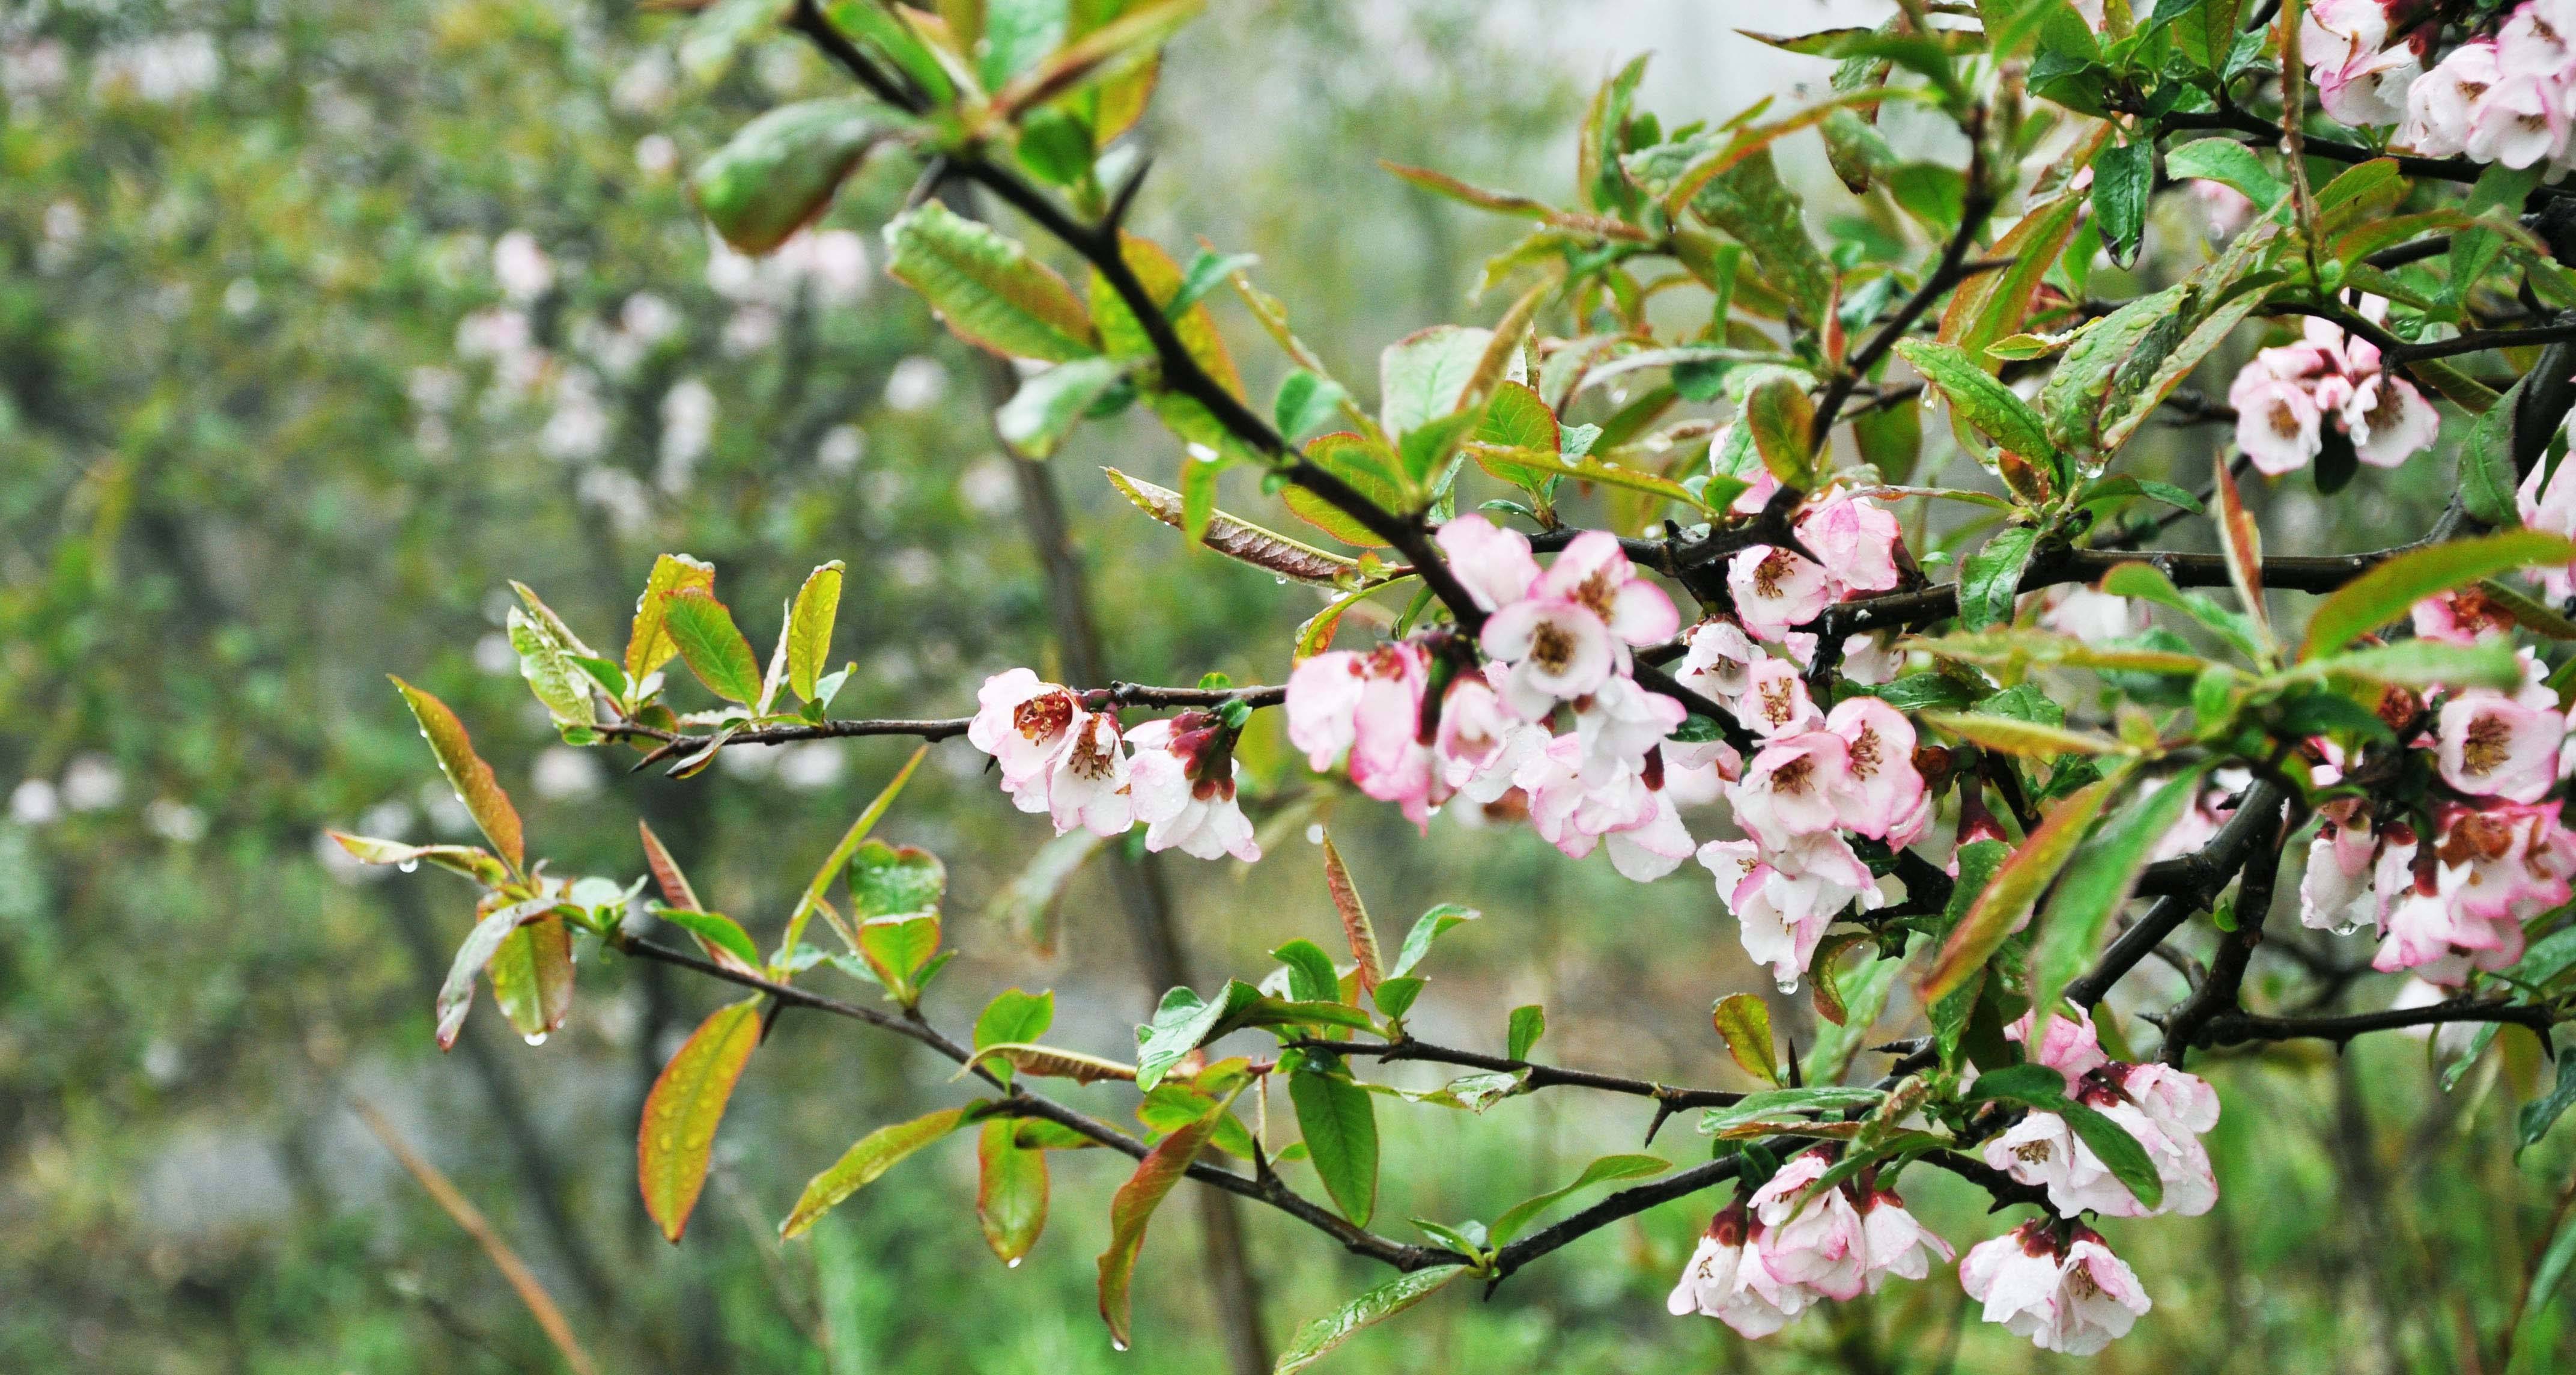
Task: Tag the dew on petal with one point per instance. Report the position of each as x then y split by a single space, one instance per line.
536 1038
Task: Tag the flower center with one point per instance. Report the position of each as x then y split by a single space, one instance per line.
1778 706
2032 1152
1865 755
1043 717
1552 647
1793 776
1768 573
1089 759
2487 746
2285 422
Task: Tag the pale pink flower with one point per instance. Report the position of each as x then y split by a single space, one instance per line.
1776 590
1183 783
2182 1163
2070 1046
1792 787
1618 724
1726 1280
1594 572
2389 420
2090 615
1717 656
1368 703
2369 91
2073 1298
1555 651
1872 659
1784 899
2180 1103
2441 107
2334 892
2276 421
1479 743
2551 508
2042 1149
2464 617
1856 539
2506 863
1879 788
1817 1242
1651 848
2531 44
2226 208
1774 701
2494 746
1493 563
1088 785
1026 725
2334 33
2521 120
1895 1242
1571 816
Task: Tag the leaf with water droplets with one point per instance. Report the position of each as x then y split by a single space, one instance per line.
532 976
1134 1206
456 995
859 1166
1318 1338
472 861
1010 1191
467 773
681 1113
1745 1023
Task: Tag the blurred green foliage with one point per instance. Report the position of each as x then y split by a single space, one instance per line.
286 405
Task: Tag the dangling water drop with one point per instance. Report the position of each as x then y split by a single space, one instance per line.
1012 1264
536 1038
1788 985
2347 928
1117 1344
409 866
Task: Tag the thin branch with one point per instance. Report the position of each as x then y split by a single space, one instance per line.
2243 122
2478 341
944 727
1540 1076
2237 1028
2208 873
2224 988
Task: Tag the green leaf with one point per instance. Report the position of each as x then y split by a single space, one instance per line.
2226 161
873 22
860 1165
1528 1023
2122 177
1515 418
1990 578
1426 448
809 628
1306 403
898 948
987 288
1010 1190
1985 402
1048 1062
2487 476
680 1114
1014 1018
2095 884
472 861
2027 739
2006 902
1395 995
467 774
531 976
1239 539
1311 976
2206 30
715 932
841 852
2426 663
1134 1206
1987 308
1426 929
2390 590
1318 1338
1915 691
1339 1124
1369 467
1978 860
1046 407
649 645
1181 1024
1786 1105
1609 1169
1206 272
1780 417
1745 1023
547 665
889 881
779 172
1422 376
2147 582
711 646
1750 203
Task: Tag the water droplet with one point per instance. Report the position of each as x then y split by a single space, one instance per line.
1315 833
1282 581
536 1038
1788 985
409 866
2347 928
1117 1344
1013 1263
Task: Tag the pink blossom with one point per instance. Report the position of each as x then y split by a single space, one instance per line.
1814 1242
1088 785
2182 1163
1726 1280
1896 1243
2521 120
1480 745
2069 1046
1554 651
1493 563
1368 703
1594 573
1783 899
2494 746
1774 701
1775 590
2042 1149
2551 508
2506 863
1572 816
1872 659
1792 787
2530 44
2180 1103
2090 615
1653 847
2464 617
1182 778
2276 420
1026 725
2334 33
2071 1297
2334 892
1716 657
2441 107
1879 787
1618 724
1856 539
2389 420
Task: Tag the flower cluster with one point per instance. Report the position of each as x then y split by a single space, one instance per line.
2058 1285
1422 720
2284 398
2164 1108
2448 889
1766 1258
2503 96
1061 757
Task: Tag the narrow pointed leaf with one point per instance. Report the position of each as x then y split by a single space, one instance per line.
1987 403
2095 884
1239 539
862 1163
2005 904
809 628
1134 1206
1339 1124
1609 1169
1047 1062
1426 929
467 774
2029 739
1355 917
1317 1339
472 861
2242 543
720 936
1010 1191
682 1111
2390 590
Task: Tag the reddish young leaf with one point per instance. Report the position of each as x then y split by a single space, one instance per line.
532 976
1010 1191
1355 918
2243 546
467 774
456 995
1134 1206
681 1113
2006 902
666 870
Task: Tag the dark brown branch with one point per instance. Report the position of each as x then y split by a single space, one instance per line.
2243 122
2224 988
2203 876
1540 1076
2237 1028
2479 340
